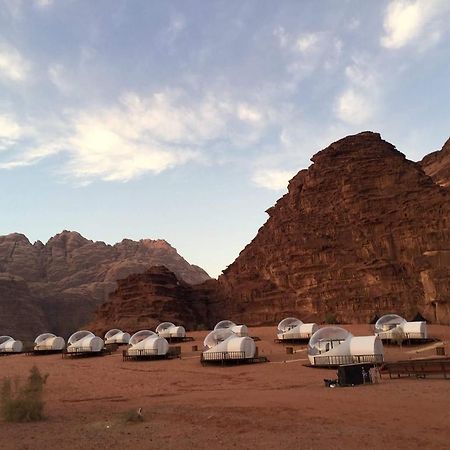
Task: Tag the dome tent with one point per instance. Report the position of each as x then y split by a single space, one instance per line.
223 344
331 346
292 328
116 336
84 342
393 326
10 345
49 342
169 330
147 343
239 330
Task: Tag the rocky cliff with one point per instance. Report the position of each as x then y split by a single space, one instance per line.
362 231
144 300
62 282
437 165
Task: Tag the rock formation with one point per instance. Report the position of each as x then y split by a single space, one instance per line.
362 231
63 281
144 300
437 165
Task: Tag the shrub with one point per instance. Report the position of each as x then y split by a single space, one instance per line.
23 403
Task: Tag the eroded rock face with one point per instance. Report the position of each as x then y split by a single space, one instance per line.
142 301
69 276
363 231
437 165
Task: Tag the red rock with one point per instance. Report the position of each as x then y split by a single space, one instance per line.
142 301
362 231
437 165
68 277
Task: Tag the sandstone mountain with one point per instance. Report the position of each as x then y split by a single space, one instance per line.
157 295
57 286
361 232
437 165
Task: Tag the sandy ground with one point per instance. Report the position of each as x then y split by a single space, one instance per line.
281 404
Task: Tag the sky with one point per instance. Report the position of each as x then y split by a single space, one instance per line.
184 120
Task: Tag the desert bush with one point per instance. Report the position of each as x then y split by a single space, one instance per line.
330 318
23 403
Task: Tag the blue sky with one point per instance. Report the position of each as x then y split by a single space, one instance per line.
184 120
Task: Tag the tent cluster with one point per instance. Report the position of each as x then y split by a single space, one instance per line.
228 341
10 345
394 327
146 343
330 345
291 328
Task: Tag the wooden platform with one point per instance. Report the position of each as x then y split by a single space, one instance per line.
149 355
85 353
42 352
230 358
418 368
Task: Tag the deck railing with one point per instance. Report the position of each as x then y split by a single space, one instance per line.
337 360
222 356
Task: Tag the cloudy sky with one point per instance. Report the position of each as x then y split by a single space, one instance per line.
184 120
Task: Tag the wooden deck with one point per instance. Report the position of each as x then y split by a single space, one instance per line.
418 368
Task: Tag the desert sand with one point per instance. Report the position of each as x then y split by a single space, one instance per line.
280 404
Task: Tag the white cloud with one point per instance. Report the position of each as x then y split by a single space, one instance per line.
272 179
9 129
43 3
306 42
408 21
13 66
282 36
354 107
141 135
59 77
248 113
359 101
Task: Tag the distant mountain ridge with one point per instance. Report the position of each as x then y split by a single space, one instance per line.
60 283
360 233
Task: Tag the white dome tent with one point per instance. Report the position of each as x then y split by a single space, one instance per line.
146 343
9 345
291 329
395 327
239 330
224 345
84 342
168 330
116 336
49 342
332 346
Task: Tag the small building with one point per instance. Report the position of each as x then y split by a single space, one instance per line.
10 345
333 346
395 327
168 330
291 329
147 343
49 342
239 330
116 336
225 345
84 342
